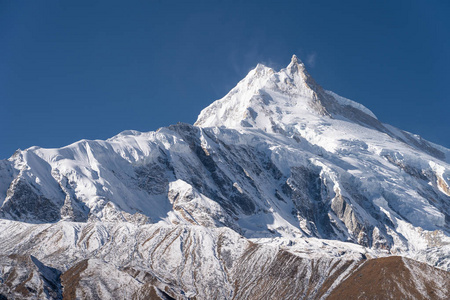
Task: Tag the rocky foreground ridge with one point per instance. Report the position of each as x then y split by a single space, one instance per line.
280 190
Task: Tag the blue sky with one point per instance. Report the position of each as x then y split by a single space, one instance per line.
90 69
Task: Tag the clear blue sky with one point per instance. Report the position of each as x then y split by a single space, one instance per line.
90 69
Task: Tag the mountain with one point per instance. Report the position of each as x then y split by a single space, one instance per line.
279 189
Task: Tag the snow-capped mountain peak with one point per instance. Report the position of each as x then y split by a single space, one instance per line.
257 97
295 59
290 102
281 102
279 172
296 66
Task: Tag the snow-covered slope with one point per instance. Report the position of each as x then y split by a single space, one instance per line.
279 161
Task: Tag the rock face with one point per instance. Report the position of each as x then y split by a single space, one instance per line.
25 277
280 189
394 278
